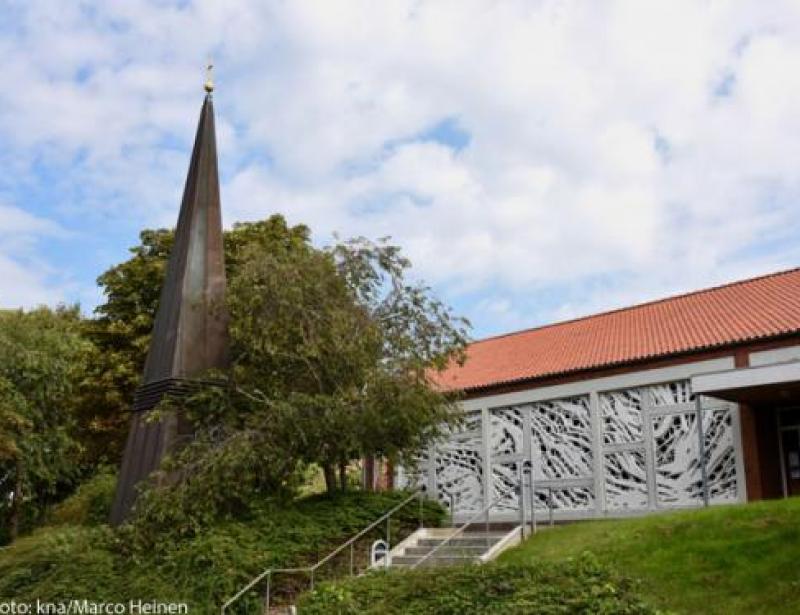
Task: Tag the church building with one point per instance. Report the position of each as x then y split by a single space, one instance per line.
687 401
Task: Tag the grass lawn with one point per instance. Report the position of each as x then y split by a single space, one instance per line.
725 559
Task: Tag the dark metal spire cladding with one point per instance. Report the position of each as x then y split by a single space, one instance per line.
190 334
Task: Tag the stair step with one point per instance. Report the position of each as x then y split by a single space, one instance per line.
435 560
489 534
460 541
457 550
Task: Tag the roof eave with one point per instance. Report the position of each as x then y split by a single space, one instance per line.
485 388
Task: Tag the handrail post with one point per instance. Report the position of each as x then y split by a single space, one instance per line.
421 512
312 579
521 500
532 496
351 558
452 510
269 577
550 504
486 519
486 528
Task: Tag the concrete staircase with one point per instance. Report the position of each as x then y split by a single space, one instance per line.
474 542
470 547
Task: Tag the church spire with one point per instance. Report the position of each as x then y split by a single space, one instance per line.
190 333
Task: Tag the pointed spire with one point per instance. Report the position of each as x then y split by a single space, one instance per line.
190 333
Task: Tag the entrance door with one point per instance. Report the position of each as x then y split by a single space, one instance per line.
790 448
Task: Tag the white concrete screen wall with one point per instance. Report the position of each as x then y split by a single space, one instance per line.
606 447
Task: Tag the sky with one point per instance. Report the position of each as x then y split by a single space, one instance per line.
537 161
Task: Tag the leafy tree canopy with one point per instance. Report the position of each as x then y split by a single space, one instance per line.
42 365
341 338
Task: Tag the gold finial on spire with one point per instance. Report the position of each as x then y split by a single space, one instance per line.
209 84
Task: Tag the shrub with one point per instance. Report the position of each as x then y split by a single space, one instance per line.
89 505
578 585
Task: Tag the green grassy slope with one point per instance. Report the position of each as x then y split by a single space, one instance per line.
728 559
733 559
79 557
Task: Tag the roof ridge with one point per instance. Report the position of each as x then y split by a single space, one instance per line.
637 305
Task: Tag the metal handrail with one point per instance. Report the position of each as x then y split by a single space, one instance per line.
474 517
269 572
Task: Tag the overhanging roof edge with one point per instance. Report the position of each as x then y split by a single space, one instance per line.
746 377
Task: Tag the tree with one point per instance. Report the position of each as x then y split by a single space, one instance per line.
333 350
302 341
332 353
42 358
124 322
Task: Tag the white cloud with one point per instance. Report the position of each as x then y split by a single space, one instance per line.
616 150
25 280
18 223
22 286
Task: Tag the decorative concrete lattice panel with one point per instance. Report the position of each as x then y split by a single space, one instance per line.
679 477
626 480
563 498
505 478
647 456
413 472
720 455
677 465
671 393
459 467
621 413
561 438
507 430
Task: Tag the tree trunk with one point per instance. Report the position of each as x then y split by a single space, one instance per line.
16 503
389 475
343 475
330 478
369 473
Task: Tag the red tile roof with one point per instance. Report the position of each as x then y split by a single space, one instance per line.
754 309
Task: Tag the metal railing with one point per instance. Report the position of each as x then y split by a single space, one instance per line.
312 570
532 489
519 491
483 514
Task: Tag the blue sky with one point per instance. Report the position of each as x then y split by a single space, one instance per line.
537 160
